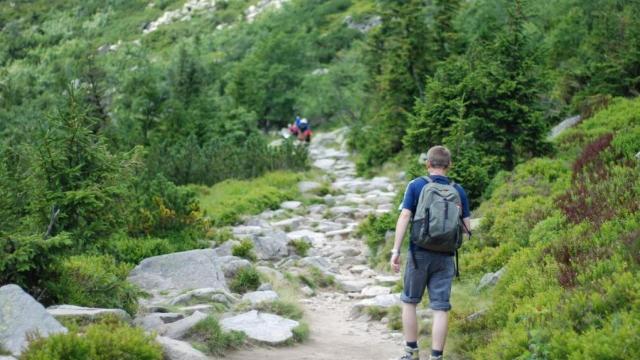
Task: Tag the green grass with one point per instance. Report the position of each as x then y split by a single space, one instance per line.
247 279
284 308
244 250
226 202
210 337
301 247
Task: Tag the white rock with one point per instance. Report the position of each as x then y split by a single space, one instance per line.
324 164
257 297
154 321
315 238
387 280
490 279
21 315
178 329
291 205
78 312
266 328
475 223
308 186
179 350
373 291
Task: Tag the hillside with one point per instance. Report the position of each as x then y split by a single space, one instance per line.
138 173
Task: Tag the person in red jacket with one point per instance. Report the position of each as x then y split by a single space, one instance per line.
301 129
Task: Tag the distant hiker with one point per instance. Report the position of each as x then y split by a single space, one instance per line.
438 211
301 129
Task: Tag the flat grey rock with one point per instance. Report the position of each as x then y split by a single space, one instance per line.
2 357
173 273
180 328
262 327
78 312
272 245
257 297
179 350
314 237
291 205
154 321
308 186
20 315
204 294
232 264
324 164
319 262
490 279
383 301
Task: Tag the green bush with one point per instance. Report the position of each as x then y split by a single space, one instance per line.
215 341
95 281
246 279
103 341
226 202
301 332
244 250
301 247
374 230
133 250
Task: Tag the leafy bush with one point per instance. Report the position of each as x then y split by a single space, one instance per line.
95 281
226 202
246 279
374 230
103 341
216 341
244 250
301 247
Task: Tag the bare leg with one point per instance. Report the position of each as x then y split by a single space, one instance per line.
439 329
409 322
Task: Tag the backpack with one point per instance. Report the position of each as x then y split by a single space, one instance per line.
437 223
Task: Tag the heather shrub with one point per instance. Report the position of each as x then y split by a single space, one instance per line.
301 247
107 340
95 281
246 279
244 250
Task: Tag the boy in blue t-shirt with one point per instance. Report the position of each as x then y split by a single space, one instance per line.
433 271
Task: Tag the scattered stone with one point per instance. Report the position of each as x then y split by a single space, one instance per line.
373 291
265 287
490 279
262 327
308 186
180 271
358 269
232 264
475 223
272 245
307 291
203 308
61 312
342 210
291 205
179 350
204 294
383 301
353 285
319 262
257 297
21 315
387 280
324 164
154 321
315 238
178 329
291 223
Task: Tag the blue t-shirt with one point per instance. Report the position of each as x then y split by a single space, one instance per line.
412 195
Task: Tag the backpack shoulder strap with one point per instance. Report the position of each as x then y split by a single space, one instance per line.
427 179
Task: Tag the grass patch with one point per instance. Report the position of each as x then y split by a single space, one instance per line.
301 247
4 351
376 312
301 332
226 202
214 341
287 309
247 279
315 278
394 314
244 250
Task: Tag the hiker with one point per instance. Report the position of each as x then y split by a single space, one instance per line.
438 211
301 129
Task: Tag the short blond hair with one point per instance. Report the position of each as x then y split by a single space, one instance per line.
439 157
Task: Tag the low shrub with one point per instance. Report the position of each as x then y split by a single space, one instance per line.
133 250
301 247
376 312
214 340
226 202
395 318
95 281
315 278
246 279
301 332
103 341
244 250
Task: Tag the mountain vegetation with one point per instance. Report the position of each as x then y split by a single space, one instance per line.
122 138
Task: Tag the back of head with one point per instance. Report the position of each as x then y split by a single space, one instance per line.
439 157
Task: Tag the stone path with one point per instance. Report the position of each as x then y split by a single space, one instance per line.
338 329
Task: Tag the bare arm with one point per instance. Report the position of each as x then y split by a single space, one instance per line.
401 229
467 225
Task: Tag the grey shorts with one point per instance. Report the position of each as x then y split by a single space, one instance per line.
435 272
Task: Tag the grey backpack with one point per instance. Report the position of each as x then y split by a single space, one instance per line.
437 223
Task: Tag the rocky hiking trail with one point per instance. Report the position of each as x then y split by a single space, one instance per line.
338 327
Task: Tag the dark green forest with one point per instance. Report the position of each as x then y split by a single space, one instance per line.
105 128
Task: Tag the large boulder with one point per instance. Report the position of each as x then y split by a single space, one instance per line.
85 313
20 315
177 272
262 327
179 350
